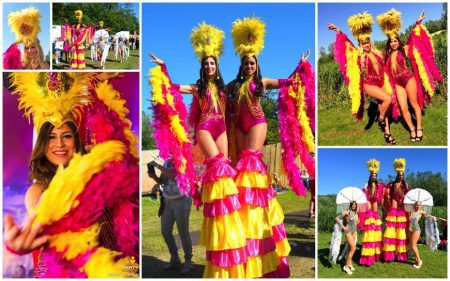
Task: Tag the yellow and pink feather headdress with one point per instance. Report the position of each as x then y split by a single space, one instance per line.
55 97
361 25
207 41
399 165
373 165
390 22
25 20
248 36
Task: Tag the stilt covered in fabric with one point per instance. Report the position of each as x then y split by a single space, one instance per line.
253 185
222 231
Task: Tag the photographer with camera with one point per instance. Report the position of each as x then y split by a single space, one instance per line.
175 207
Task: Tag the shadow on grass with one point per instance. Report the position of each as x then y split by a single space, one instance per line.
152 267
306 247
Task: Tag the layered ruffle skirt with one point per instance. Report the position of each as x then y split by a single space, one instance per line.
394 238
371 239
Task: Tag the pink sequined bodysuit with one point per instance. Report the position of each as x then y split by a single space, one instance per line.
372 193
398 192
397 66
211 116
250 112
371 75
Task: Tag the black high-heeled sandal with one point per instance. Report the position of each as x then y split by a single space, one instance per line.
389 139
417 137
411 138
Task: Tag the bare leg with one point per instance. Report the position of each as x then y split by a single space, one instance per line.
222 144
403 102
256 136
379 94
414 238
411 91
208 145
352 247
240 139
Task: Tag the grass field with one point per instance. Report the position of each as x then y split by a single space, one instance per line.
300 232
111 62
434 264
337 127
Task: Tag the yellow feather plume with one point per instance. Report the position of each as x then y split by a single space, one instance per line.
387 85
373 165
207 41
112 99
361 25
302 116
69 182
422 72
18 21
399 165
51 97
103 263
158 79
390 22
354 74
248 36
78 14
73 244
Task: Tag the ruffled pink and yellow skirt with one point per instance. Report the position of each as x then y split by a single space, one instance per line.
222 231
394 239
262 217
371 239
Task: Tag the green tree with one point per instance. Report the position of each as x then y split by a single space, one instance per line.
148 142
269 106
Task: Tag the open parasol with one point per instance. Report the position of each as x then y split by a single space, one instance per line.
101 35
418 195
349 194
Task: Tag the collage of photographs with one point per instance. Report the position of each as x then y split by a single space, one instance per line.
145 140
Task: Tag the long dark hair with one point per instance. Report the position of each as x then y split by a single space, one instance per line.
369 181
388 50
202 83
240 79
41 169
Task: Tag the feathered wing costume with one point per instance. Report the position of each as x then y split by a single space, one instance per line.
358 68
261 213
371 222
26 19
394 237
90 208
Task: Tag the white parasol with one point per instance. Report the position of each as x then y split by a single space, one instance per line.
418 195
349 194
101 34
123 34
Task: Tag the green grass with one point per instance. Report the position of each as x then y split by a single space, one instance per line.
337 127
300 232
434 264
111 63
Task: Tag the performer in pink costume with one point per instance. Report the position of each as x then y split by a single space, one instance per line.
222 231
370 220
419 50
261 213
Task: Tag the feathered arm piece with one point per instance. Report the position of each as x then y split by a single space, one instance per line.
346 56
12 58
421 52
432 233
380 188
389 87
335 243
297 139
171 134
66 33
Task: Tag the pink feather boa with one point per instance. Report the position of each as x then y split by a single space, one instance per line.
12 58
291 132
166 141
307 77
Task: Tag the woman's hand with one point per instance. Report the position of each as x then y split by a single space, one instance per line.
305 58
333 27
422 16
24 239
155 59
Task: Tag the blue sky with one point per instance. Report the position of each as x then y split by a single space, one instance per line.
340 168
166 29
337 13
43 36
